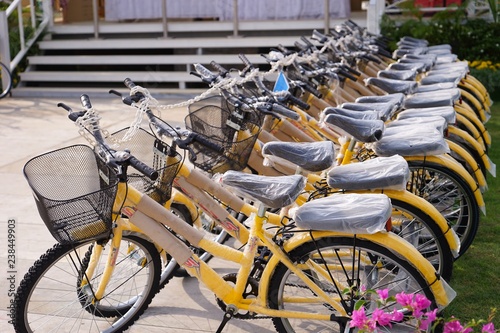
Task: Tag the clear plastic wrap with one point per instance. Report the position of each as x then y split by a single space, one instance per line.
392 86
350 213
437 122
273 192
447 112
411 141
378 173
310 156
361 129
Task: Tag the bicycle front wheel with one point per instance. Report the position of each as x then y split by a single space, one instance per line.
349 263
5 81
50 299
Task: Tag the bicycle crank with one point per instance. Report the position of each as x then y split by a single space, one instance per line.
251 291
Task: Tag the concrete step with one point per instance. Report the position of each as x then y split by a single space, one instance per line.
180 59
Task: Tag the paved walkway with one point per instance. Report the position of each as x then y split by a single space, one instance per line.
29 127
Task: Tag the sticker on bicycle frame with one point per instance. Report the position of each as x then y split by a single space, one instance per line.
230 226
192 263
128 211
281 83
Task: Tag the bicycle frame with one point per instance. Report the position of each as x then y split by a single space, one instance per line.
149 217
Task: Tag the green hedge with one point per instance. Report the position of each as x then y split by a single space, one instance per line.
475 40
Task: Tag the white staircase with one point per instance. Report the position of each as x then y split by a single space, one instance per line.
73 61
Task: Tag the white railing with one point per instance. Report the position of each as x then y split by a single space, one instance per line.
38 23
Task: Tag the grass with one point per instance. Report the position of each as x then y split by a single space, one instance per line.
476 275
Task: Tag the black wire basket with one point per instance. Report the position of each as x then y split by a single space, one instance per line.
153 152
225 126
74 192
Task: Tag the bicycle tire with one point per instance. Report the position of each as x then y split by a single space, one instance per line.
385 269
420 230
4 91
450 194
58 271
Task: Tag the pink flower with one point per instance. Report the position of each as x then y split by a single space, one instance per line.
429 317
397 315
383 294
404 299
359 318
453 327
382 318
488 328
421 302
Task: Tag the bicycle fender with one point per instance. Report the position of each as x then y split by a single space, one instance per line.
475 144
478 174
440 289
449 162
429 209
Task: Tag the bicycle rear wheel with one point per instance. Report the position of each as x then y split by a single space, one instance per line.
50 298
5 81
450 194
361 262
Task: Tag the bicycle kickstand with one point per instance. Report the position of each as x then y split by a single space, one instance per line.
230 311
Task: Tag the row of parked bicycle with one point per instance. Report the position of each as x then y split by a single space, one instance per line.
344 168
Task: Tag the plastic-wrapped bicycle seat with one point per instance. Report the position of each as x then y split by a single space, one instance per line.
411 141
446 58
436 87
362 130
447 112
416 66
392 86
453 77
384 110
311 156
273 192
350 213
428 59
408 74
432 99
366 114
453 65
377 173
437 122
395 99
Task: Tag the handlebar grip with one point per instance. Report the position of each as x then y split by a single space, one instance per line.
346 74
297 101
307 42
222 71
204 72
129 83
143 168
319 36
245 60
308 87
85 99
207 143
372 58
284 111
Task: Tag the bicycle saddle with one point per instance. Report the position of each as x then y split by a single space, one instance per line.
447 112
396 99
311 156
367 114
408 74
351 213
417 66
411 141
435 121
436 87
273 192
377 173
432 99
453 77
392 86
384 110
362 130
